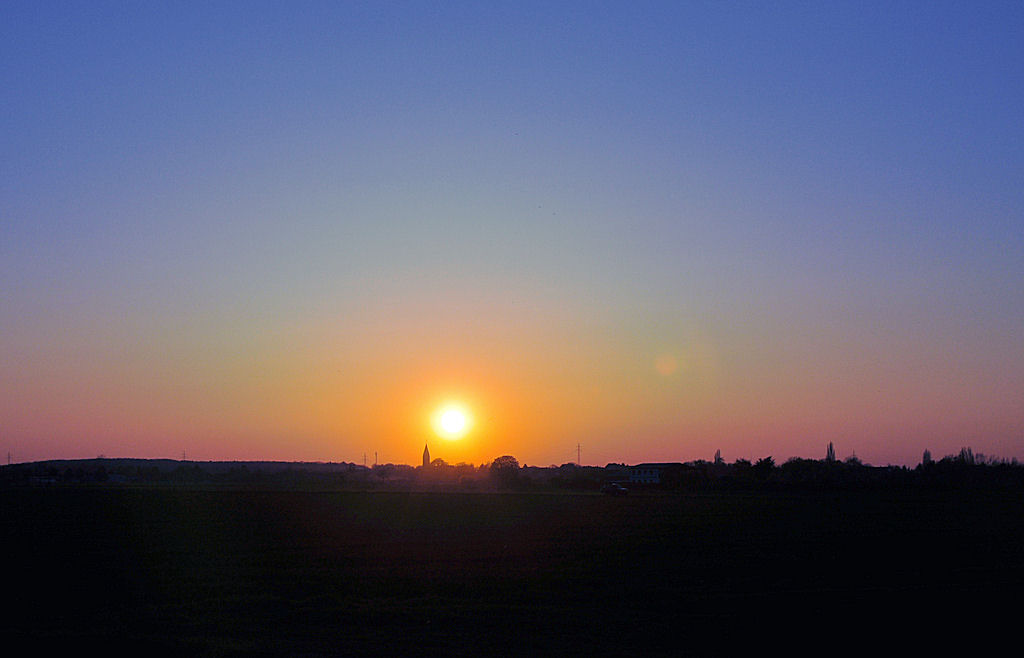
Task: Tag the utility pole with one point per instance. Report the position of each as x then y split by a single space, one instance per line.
364 460
578 461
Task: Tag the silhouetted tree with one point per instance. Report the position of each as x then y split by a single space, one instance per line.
384 471
798 470
465 470
830 453
505 469
505 462
763 468
741 466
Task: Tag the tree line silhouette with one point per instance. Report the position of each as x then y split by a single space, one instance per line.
964 469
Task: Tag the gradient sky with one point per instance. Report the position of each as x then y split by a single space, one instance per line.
290 230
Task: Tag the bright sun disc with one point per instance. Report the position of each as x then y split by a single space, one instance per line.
451 421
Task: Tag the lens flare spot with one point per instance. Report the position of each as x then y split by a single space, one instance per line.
666 364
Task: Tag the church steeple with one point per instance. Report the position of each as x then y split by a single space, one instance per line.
426 456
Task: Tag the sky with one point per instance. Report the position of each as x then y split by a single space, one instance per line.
292 231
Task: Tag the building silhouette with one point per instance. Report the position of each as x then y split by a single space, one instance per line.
426 456
649 473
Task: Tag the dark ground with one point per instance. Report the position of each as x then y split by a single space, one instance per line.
193 572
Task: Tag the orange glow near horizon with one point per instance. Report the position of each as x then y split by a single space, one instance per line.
322 388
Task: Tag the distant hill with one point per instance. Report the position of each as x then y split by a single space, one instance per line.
168 465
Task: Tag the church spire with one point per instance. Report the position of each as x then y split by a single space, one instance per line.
426 455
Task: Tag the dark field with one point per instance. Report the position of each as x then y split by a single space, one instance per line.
313 573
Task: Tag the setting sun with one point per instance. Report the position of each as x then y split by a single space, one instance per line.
452 421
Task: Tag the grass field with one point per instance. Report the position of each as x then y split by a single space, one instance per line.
213 572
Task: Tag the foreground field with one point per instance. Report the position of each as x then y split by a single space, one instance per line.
301 573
